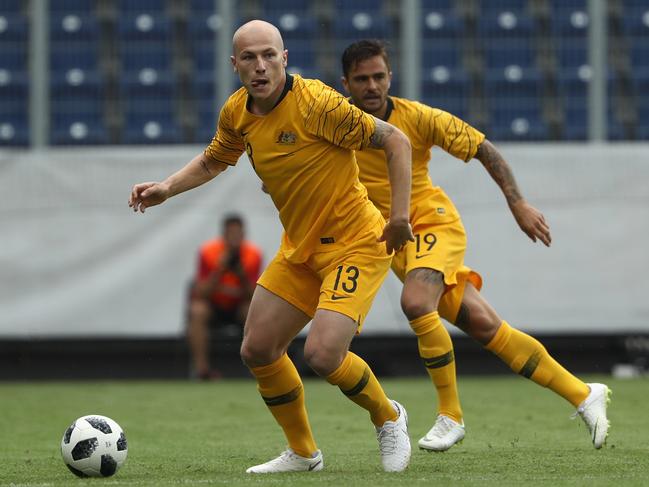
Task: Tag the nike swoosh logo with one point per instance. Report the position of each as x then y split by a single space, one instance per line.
334 297
311 467
422 255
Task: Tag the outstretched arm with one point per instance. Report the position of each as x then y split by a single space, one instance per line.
399 159
529 219
198 171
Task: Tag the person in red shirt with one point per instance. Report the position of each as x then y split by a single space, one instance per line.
228 269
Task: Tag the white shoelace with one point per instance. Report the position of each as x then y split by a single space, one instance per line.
387 439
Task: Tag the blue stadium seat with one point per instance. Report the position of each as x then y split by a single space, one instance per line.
447 89
154 129
14 85
78 130
441 54
569 21
13 28
639 55
573 82
76 84
74 28
642 129
13 57
205 27
636 22
509 24
138 56
499 54
65 56
144 27
11 6
295 25
361 24
273 7
208 115
576 120
14 131
132 6
204 7
61 7
521 122
572 54
513 82
441 24
301 54
346 6
496 5
559 5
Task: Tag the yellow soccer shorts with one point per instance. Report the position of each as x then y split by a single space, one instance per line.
345 280
440 247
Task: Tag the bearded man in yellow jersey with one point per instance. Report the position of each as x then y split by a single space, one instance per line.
300 137
435 281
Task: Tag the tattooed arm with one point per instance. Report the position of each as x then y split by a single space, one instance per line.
198 171
399 159
529 219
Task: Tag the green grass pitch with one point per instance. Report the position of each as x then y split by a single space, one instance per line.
187 433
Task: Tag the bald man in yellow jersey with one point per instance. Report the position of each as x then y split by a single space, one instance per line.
436 282
300 137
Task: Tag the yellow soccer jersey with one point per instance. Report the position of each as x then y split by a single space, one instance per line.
303 151
425 127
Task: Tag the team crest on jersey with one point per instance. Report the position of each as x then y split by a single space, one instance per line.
286 138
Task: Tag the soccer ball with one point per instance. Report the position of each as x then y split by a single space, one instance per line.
94 446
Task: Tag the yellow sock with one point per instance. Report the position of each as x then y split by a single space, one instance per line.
436 351
357 381
527 357
281 389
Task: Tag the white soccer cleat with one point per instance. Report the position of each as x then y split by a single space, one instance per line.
394 442
593 412
443 435
289 461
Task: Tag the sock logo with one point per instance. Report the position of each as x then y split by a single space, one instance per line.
439 361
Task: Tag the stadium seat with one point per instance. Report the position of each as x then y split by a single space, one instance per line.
444 5
499 54
11 7
63 7
301 55
573 82
511 125
346 6
639 55
65 56
13 28
204 7
152 6
14 84
153 129
508 24
138 56
636 22
274 7
73 28
447 89
13 57
576 120
77 125
205 27
359 24
569 19
642 129
572 54
500 5
441 24
513 82
295 25
14 130
441 54
144 27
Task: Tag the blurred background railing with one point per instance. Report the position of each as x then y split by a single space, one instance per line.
155 71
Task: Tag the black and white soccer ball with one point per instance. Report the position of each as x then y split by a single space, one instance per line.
94 446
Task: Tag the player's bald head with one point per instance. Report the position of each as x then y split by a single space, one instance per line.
257 32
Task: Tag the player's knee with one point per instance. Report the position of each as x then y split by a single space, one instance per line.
480 324
322 361
256 354
415 305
